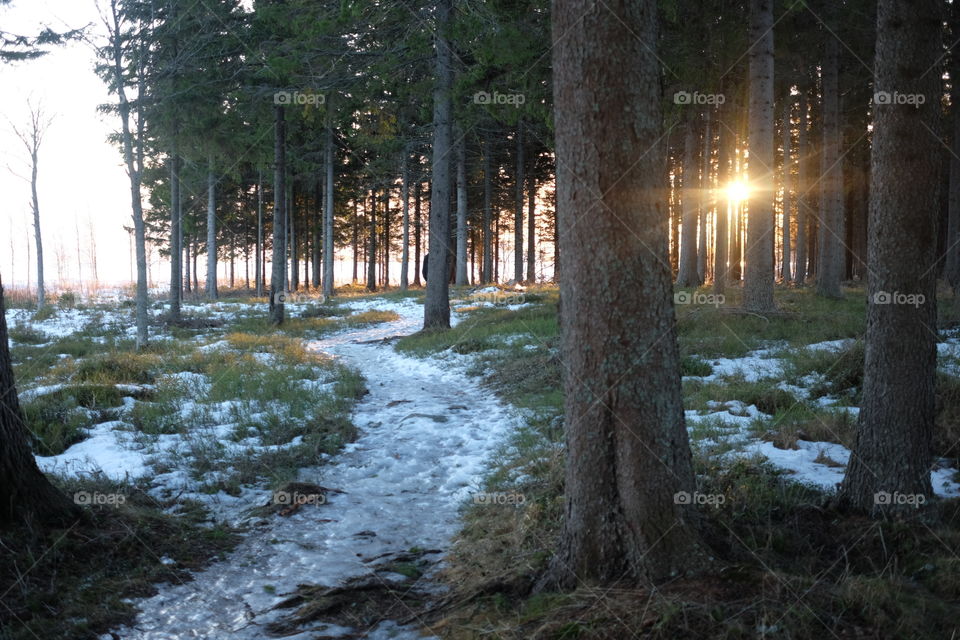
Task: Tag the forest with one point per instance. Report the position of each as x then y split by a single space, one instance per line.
440 323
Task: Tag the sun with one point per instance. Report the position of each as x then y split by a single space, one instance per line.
738 191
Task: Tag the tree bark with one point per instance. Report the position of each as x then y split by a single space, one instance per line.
723 205
372 250
518 208
461 276
627 449
705 197
211 231
328 275
687 275
258 272
405 197
486 275
278 260
759 276
803 200
417 231
176 215
831 233
531 226
786 271
436 308
892 453
25 493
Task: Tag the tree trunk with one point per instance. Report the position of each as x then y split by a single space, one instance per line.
803 200
328 274
176 214
35 200
258 273
705 198
786 272
317 236
723 205
25 493
372 251
531 227
890 462
436 309
417 230
759 276
461 149
279 261
831 234
486 273
355 244
211 231
518 209
952 241
628 456
405 197
687 275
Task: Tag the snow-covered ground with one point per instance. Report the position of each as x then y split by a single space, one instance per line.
425 433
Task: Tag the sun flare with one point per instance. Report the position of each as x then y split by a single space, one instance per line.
738 191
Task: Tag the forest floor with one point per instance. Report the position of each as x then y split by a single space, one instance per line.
429 466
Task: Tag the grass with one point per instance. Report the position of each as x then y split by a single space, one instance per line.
76 582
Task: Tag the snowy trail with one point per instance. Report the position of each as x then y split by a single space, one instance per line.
425 432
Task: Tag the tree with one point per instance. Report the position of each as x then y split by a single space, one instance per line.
687 276
25 493
124 59
436 308
759 276
278 276
830 239
32 138
628 454
892 452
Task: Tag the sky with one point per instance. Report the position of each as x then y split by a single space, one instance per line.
81 180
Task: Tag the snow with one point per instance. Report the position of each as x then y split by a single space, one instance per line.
404 479
107 450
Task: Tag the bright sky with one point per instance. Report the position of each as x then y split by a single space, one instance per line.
81 177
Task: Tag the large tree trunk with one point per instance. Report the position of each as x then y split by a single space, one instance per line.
759 276
328 207
211 231
687 275
486 274
628 456
831 233
461 277
786 271
176 215
952 241
890 462
25 493
278 260
405 196
518 208
436 308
